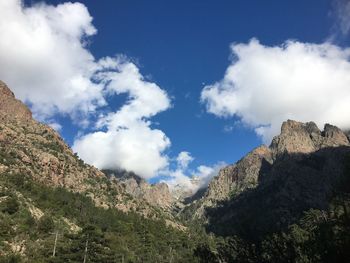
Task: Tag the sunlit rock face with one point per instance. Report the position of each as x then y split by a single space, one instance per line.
10 106
298 137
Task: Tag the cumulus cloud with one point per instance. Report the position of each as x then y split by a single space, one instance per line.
183 159
44 59
266 85
128 141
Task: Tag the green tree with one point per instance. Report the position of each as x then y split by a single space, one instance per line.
10 206
46 224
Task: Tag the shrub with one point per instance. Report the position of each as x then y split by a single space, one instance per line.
10 206
46 224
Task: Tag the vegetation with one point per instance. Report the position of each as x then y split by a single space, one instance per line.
318 236
109 235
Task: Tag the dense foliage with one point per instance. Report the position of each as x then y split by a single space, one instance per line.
108 235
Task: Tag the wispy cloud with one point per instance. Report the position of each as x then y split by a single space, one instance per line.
341 15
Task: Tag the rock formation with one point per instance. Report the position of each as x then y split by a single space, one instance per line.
10 106
155 194
296 139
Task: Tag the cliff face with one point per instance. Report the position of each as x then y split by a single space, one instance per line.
297 137
296 140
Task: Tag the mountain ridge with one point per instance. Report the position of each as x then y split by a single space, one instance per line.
295 137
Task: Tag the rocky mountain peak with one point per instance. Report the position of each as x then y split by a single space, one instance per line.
335 135
247 173
10 107
298 137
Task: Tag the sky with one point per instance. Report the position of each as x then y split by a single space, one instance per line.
172 89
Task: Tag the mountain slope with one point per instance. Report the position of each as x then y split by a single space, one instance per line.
46 189
289 202
155 194
35 149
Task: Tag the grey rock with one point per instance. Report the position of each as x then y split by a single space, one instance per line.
296 139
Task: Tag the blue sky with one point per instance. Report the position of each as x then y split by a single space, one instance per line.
184 46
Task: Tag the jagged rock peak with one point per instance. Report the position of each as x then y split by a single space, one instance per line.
247 173
298 137
335 134
10 107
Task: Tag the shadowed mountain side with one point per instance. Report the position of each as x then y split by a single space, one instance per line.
295 183
295 138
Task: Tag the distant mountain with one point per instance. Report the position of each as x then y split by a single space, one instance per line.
155 194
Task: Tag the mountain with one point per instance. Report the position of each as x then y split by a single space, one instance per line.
47 192
155 194
288 202
296 139
36 150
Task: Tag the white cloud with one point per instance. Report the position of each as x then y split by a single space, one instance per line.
129 142
44 59
185 182
183 159
204 173
266 85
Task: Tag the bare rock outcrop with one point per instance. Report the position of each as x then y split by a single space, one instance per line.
237 177
155 194
298 137
10 106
